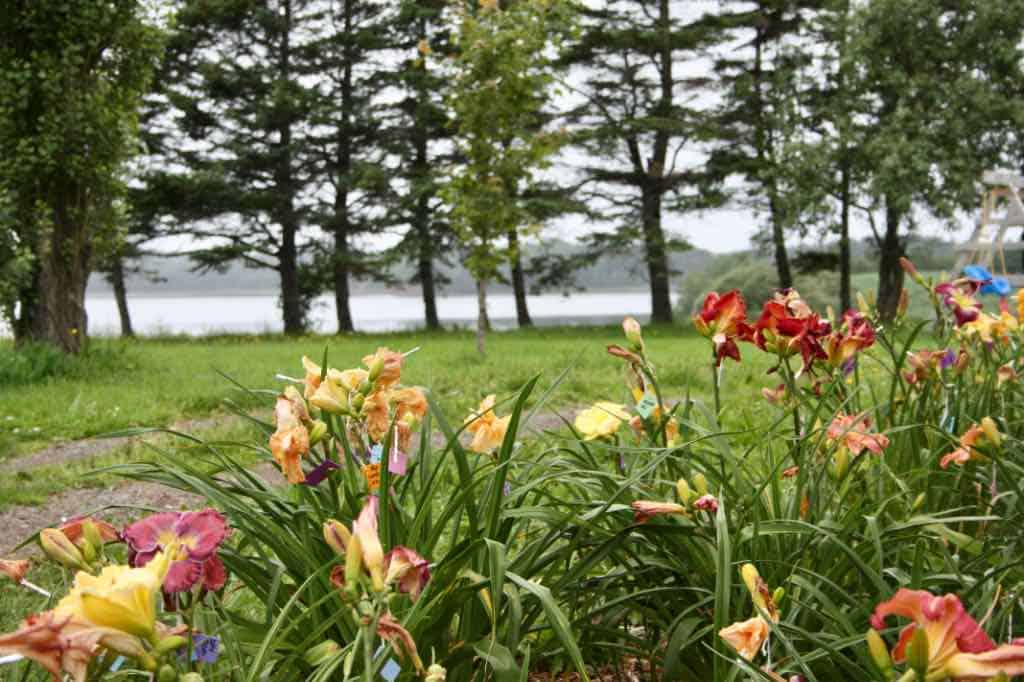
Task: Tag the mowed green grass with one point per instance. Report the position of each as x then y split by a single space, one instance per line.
158 382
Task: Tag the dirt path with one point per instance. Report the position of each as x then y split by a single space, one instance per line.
122 501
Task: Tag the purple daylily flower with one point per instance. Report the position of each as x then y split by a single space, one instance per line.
205 648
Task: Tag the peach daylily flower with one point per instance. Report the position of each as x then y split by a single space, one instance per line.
313 373
850 431
982 434
487 428
410 402
55 642
14 569
391 366
746 637
290 442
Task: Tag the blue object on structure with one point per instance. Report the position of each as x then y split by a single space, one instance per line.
1000 286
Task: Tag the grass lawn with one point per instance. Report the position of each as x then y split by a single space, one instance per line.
119 384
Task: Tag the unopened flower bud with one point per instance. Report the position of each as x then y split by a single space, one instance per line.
632 330
700 483
167 674
92 541
375 369
1000 677
911 271
918 502
862 304
191 677
752 578
879 651
683 491
322 652
356 401
337 536
60 549
778 595
169 644
917 653
436 673
317 432
904 304
840 463
988 425
353 563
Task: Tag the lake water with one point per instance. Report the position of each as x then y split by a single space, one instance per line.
372 313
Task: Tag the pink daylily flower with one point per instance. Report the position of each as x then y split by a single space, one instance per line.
193 537
408 569
957 646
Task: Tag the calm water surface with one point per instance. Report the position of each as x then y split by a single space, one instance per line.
371 313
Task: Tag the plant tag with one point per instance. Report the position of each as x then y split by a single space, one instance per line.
646 405
390 670
376 452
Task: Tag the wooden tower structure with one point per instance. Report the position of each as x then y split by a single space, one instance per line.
1001 211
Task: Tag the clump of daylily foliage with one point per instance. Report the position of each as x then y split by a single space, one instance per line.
850 509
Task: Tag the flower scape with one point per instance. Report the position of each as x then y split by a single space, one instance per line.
833 497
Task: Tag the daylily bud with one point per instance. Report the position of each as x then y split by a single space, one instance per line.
840 463
683 491
700 483
879 651
353 563
911 271
356 401
337 536
751 577
1000 677
365 387
169 644
632 330
903 304
191 677
917 652
317 432
60 549
862 304
322 652
375 369
918 502
992 434
778 595
167 674
92 541
435 673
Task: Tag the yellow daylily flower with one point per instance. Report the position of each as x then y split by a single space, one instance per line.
601 420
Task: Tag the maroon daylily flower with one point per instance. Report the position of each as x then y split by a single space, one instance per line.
408 569
723 319
958 296
194 537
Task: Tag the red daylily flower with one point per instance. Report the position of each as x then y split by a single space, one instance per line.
854 335
192 537
723 319
957 646
787 326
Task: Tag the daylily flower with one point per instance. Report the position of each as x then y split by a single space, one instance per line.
402 643
120 598
776 395
1006 373
56 643
957 646
385 367
1020 304
410 403
290 442
746 637
14 569
928 364
487 428
407 569
330 396
853 335
631 328
348 379
984 434
365 529
601 420
723 319
958 296
191 540
989 329
787 327
644 510
74 530
377 415
850 432
708 503
671 427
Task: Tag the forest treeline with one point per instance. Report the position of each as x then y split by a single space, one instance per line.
330 142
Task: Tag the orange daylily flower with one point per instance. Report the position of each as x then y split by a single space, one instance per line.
747 636
487 428
376 411
723 319
984 434
14 569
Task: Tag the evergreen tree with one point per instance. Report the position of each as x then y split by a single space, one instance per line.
237 81
636 124
71 77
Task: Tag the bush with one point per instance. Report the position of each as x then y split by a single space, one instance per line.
757 281
34 362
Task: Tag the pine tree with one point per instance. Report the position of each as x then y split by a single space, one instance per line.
636 123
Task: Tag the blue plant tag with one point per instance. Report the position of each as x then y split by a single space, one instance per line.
118 662
390 670
376 453
646 405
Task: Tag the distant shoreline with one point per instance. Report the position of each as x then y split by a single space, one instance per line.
234 293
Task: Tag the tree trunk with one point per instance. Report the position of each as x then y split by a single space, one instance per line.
890 274
424 241
656 256
341 286
121 296
288 267
779 246
518 280
483 323
54 310
845 295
